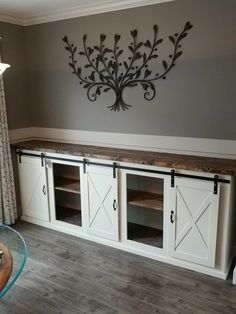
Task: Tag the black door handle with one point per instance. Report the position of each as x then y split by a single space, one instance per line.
44 190
171 217
114 205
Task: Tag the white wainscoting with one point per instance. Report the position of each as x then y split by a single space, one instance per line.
234 276
170 144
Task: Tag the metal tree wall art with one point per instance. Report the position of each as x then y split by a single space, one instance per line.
108 72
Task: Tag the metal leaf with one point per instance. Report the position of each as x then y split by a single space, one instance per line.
125 65
152 86
164 64
84 38
159 41
137 56
65 39
117 38
172 39
101 77
131 48
119 53
102 37
138 74
182 36
178 54
145 86
98 92
134 33
139 45
90 51
188 26
106 89
91 77
147 73
144 57
155 28
147 44
106 50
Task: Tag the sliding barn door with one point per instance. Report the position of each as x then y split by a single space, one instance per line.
193 221
33 188
102 211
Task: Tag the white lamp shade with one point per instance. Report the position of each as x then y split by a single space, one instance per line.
3 67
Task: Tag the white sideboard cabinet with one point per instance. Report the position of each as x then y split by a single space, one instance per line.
181 217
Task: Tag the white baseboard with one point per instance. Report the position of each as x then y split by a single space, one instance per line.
234 276
170 144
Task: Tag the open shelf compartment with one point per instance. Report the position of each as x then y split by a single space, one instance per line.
145 209
67 193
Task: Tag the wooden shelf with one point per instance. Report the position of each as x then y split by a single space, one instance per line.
67 185
145 199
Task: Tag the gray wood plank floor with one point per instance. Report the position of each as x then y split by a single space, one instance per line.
68 275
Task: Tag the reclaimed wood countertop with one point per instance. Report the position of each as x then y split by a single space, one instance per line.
175 161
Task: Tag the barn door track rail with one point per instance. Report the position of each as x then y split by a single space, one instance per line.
116 166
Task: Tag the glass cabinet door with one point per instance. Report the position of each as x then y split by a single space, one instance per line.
145 209
67 193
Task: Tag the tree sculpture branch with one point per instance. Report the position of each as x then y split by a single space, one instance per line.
109 73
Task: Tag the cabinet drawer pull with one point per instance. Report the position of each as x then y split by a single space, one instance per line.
114 204
171 217
44 190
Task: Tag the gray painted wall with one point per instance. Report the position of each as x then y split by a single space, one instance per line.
15 78
196 100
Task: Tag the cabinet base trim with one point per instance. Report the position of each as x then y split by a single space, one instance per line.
129 248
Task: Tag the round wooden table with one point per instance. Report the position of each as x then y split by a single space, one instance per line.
13 247
6 265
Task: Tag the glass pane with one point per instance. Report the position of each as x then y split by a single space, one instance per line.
145 210
14 256
67 193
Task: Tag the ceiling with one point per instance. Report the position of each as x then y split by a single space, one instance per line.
28 12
